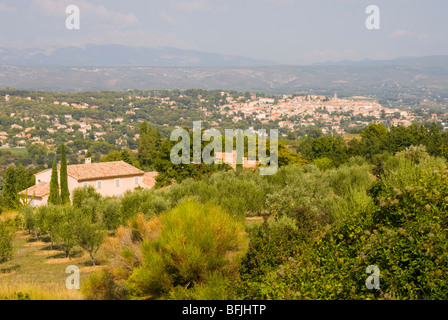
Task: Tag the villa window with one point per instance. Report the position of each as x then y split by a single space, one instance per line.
99 184
136 180
117 182
85 184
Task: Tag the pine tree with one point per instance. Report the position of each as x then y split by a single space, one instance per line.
143 128
54 197
10 198
127 156
148 145
65 193
21 178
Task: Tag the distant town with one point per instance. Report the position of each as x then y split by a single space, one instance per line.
118 122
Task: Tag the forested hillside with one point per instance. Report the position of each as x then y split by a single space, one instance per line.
307 232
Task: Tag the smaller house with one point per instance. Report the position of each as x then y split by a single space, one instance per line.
109 179
231 159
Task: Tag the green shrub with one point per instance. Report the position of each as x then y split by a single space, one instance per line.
148 202
271 244
28 219
238 194
48 219
323 163
110 213
101 286
405 235
196 240
65 230
7 231
88 201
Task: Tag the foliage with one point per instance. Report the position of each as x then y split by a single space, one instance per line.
7 231
148 145
101 286
148 202
65 194
182 249
88 235
65 229
405 235
10 198
195 241
54 197
88 201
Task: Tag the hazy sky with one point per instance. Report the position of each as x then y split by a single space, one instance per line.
285 31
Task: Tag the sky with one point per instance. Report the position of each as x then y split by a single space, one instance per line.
294 32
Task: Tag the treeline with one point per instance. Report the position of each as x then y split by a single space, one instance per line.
312 231
14 181
321 230
375 143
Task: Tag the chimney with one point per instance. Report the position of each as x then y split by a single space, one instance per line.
88 160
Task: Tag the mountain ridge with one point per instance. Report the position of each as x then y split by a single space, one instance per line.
123 56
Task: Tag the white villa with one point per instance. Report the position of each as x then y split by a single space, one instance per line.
108 178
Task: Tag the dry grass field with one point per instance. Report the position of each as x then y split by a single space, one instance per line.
37 271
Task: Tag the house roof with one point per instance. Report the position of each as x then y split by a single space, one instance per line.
91 171
39 190
101 170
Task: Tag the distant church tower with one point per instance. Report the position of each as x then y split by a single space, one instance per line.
335 96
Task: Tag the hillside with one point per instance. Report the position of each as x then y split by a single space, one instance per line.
405 78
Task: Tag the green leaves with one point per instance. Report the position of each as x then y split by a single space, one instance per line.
7 231
65 193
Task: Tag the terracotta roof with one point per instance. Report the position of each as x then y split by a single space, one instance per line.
101 170
39 190
150 178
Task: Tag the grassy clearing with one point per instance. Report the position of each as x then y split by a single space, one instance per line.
21 151
39 271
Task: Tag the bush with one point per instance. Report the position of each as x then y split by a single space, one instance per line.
88 235
65 230
101 286
184 249
28 219
238 194
271 244
7 231
88 201
405 235
307 193
48 219
148 202
323 163
110 213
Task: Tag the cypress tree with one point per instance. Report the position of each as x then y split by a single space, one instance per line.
21 178
148 145
54 197
65 194
143 128
10 197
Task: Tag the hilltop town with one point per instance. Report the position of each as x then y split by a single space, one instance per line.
332 115
117 120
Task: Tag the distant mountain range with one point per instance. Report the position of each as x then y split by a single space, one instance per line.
116 67
122 56
400 61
